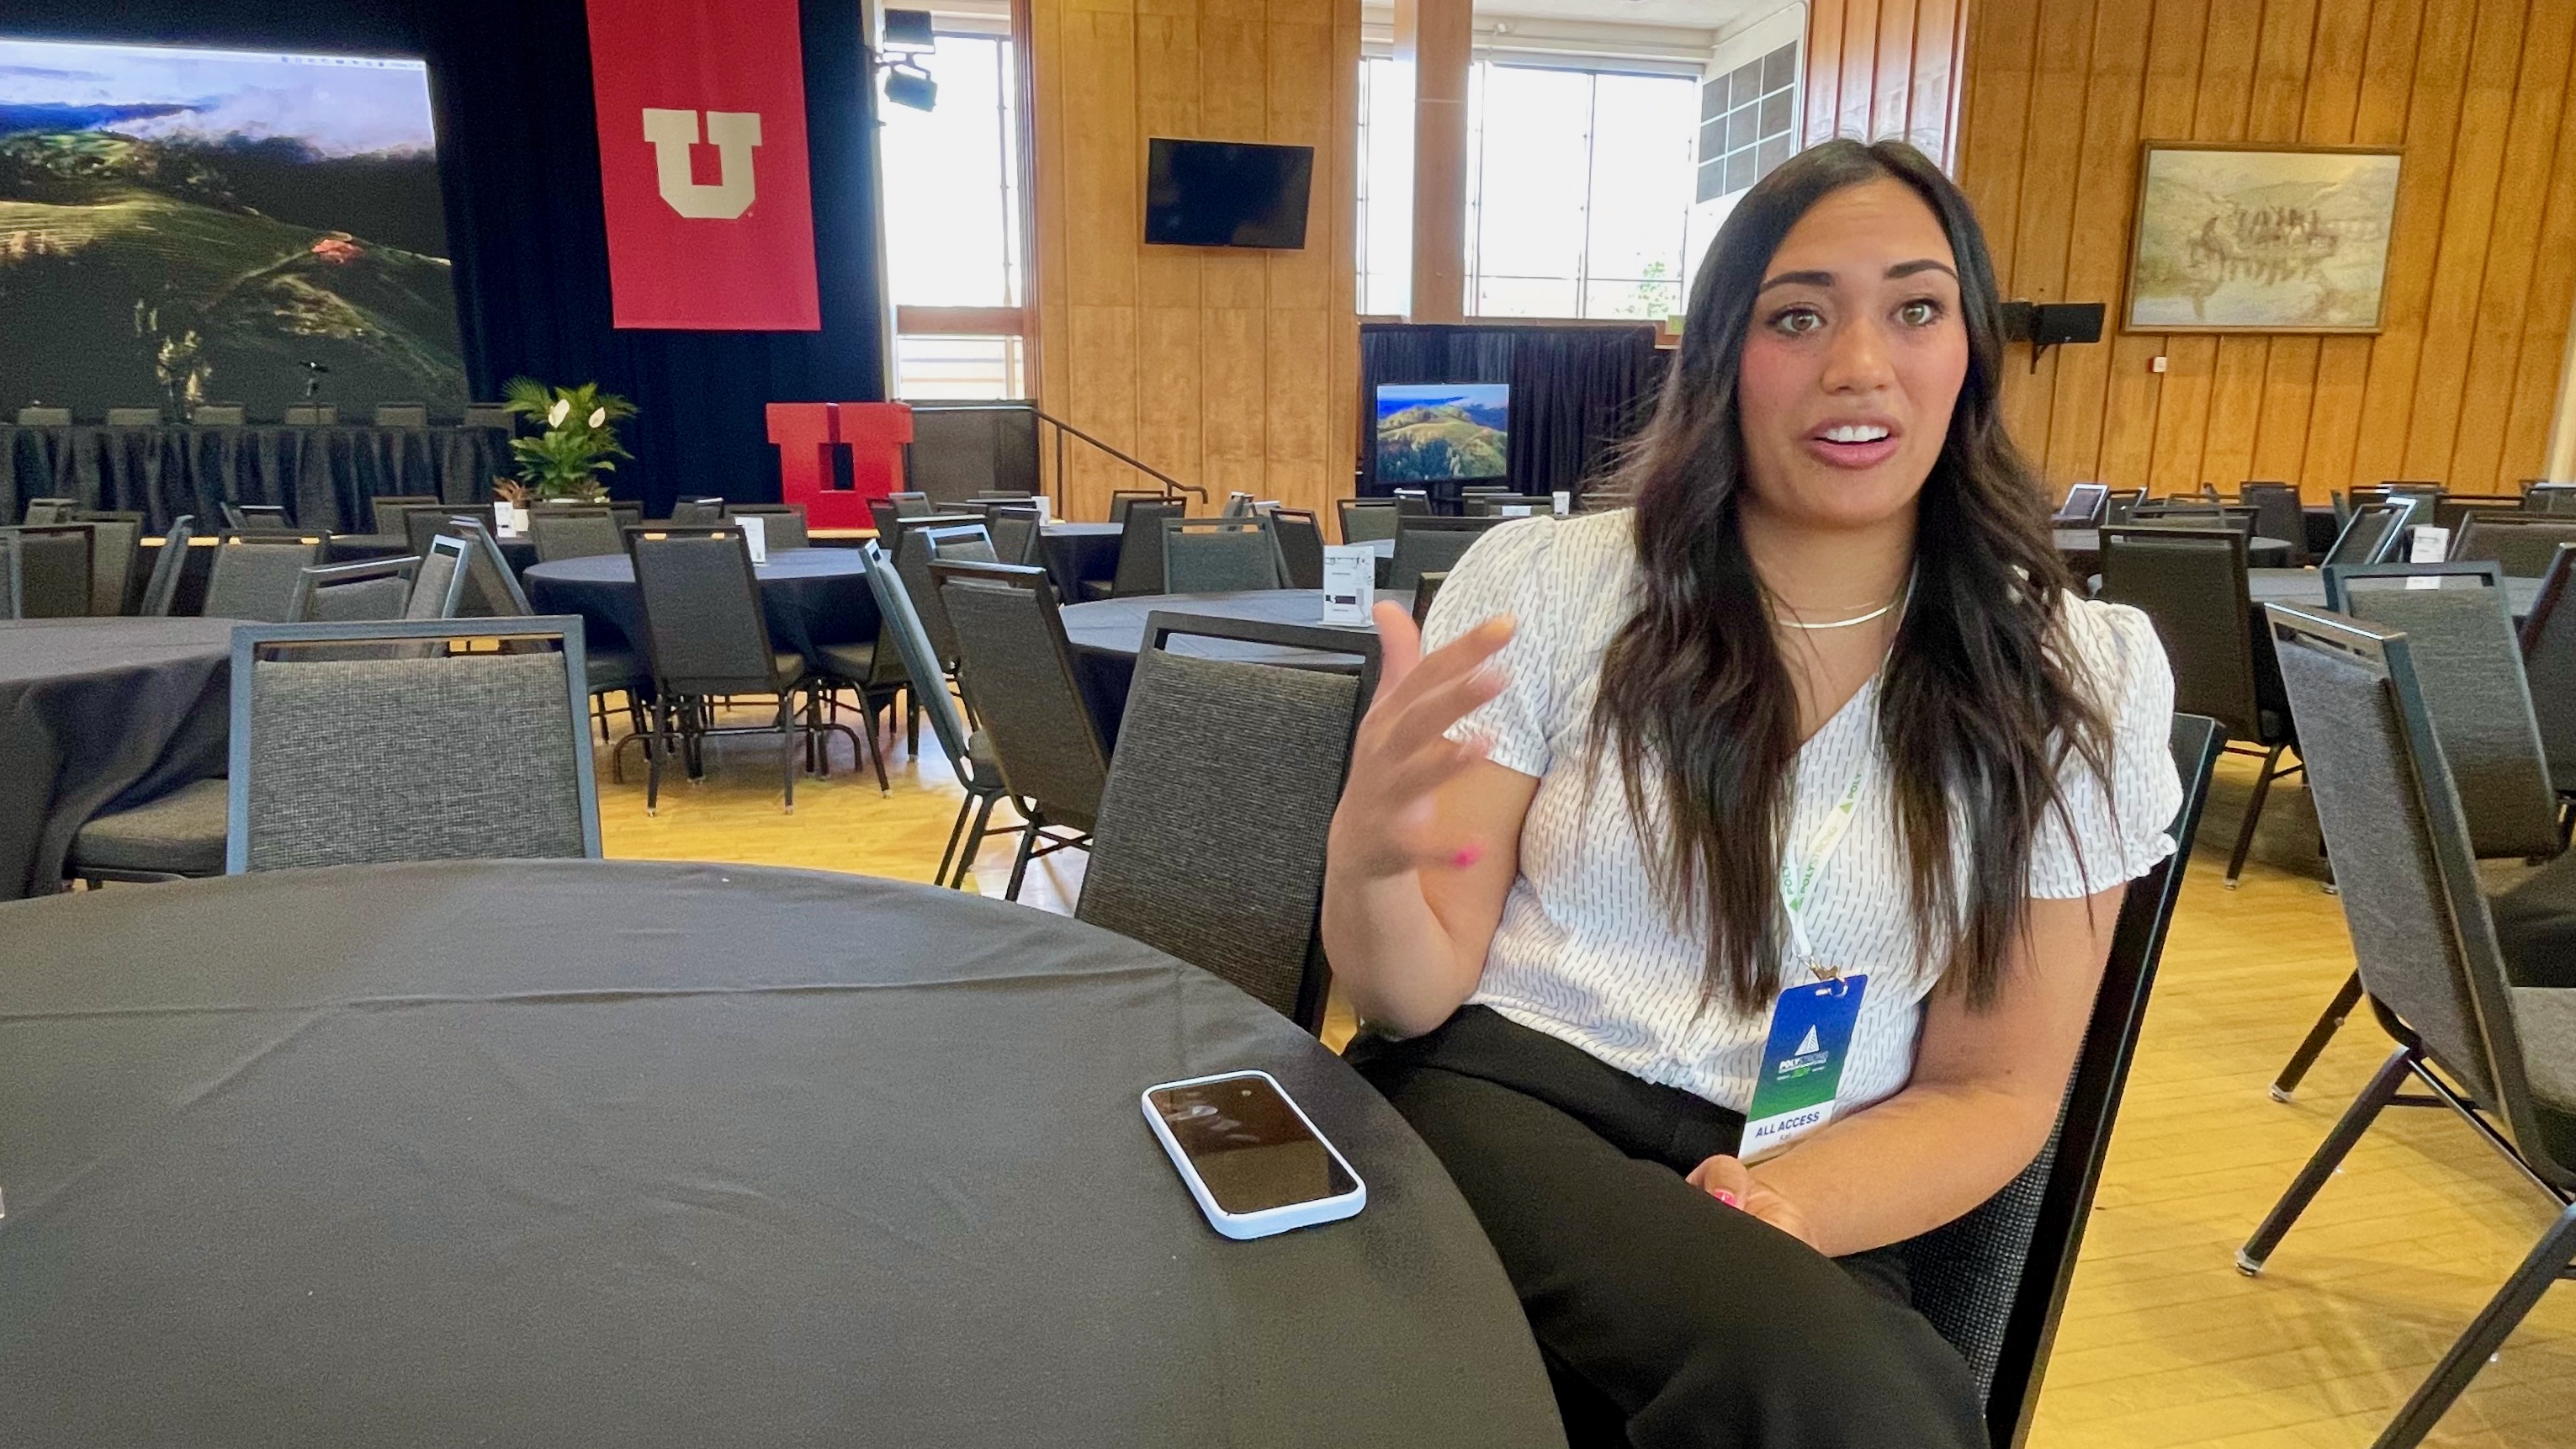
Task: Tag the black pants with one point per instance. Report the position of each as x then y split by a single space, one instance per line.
1666 1317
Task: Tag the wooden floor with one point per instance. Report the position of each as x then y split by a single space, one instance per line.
2163 1342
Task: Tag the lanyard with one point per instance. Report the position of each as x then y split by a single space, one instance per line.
1797 885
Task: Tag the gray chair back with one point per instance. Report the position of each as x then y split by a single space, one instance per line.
2119 503
1426 592
10 607
341 761
491 415
903 627
704 629
136 417
44 417
1413 503
916 549
1222 760
1122 499
1493 505
1994 1281
1366 520
1433 545
697 512
51 510
2421 931
491 589
1015 529
1221 556
256 515
2550 498
438 585
567 533
402 415
416 524
2523 544
1237 505
161 590
219 415
2548 639
353 592
2082 507
912 504
2279 514
2467 661
115 538
255 578
1140 547
385 511
1301 546
1018 670
54 570
782 524
2371 534
2190 583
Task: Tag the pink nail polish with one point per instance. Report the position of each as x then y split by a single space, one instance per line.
1728 1198
1467 855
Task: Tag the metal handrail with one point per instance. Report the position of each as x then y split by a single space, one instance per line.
1170 483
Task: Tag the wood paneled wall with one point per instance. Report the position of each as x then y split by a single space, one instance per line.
2460 383
1227 369
1886 68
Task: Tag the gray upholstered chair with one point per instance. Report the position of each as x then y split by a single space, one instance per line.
177 835
697 512
1015 529
1018 673
219 415
51 510
438 584
40 416
969 753
376 589
147 415
385 511
912 504
1492 505
1425 593
341 761
402 415
917 547
707 638
782 524
1140 550
116 537
2278 513
1221 555
2550 498
1433 545
2371 534
2190 583
1301 546
416 524
2523 543
1167 812
2548 639
169 563
254 578
492 589
574 533
1122 499
1992 1282
270 516
10 607
1238 504
2485 1030
54 570
1414 503
1367 520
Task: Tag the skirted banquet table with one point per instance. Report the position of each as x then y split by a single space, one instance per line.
98 714
644 1154
813 597
319 473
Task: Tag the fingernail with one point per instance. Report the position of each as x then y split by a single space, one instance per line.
1728 1198
1467 855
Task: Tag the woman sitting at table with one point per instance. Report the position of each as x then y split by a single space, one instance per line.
1805 792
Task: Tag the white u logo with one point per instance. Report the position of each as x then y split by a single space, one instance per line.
732 133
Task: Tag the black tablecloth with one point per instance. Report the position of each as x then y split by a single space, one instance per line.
813 596
98 714
635 1154
2308 586
2082 548
520 552
1105 636
1076 552
320 474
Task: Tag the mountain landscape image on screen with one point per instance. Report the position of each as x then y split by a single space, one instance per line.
1432 434
188 226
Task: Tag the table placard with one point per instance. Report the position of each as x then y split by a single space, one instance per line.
2430 545
1045 508
755 535
1564 502
505 520
1350 582
1514 510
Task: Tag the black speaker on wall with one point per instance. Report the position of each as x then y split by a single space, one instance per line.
2056 322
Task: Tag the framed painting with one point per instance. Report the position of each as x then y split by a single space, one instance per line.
2260 238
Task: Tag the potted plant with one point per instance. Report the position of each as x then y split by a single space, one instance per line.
568 459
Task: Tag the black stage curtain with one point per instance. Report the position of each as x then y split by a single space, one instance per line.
321 475
519 156
1576 389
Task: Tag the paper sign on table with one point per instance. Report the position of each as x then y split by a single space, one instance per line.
505 521
1046 510
2431 544
1514 510
1350 582
755 535
1564 502
519 517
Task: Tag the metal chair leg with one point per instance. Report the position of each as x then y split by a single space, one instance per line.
2253 814
2547 1261
1020 867
2356 1120
956 833
982 830
654 746
2346 997
789 737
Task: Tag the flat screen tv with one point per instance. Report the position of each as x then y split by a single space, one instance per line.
1227 194
1443 432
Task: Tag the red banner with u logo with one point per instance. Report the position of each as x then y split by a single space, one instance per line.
702 161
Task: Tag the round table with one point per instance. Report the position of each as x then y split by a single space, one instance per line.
2082 548
643 1154
1077 553
98 714
1107 633
2308 586
813 596
518 550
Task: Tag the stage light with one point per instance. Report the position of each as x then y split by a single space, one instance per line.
908 30
907 87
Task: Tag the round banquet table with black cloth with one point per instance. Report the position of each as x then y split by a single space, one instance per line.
1075 553
520 553
813 596
1107 633
2082 549
642 1154
99 714
2308 586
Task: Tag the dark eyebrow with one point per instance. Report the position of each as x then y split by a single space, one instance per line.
1798 279
1921 264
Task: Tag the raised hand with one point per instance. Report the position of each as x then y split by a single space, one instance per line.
1386 825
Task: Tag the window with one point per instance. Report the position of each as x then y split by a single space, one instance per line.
1578 191
952 222
1747 123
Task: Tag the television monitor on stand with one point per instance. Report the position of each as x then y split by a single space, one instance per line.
1442 435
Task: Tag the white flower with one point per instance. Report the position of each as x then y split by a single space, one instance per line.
562 410
599 417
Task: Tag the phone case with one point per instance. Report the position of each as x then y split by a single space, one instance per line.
1274 1220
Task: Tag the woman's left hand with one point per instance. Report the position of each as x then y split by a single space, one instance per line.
1732 1183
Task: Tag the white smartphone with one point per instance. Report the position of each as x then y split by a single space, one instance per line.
1250 1156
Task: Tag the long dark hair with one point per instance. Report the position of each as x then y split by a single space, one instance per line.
1977 709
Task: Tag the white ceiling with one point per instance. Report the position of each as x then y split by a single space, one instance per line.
1711 15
